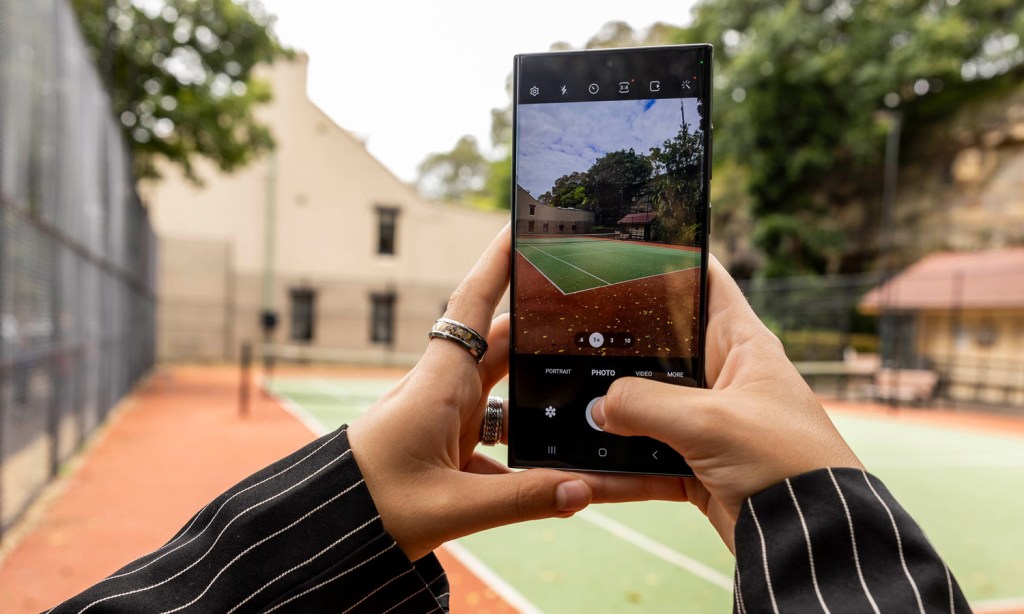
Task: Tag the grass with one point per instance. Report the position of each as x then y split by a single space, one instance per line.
585 265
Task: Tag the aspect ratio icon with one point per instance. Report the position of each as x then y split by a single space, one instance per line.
593 89
624 87
655 86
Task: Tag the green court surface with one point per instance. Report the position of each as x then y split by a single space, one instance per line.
575 266
965 488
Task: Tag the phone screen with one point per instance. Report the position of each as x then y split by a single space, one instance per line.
611 164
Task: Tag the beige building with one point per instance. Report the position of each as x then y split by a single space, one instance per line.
534 217
354 263
962 315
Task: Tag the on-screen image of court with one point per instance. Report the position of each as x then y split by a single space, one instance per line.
609 228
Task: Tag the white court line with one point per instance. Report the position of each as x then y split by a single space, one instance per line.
619 283
658 549
572 265
994 606
504 590
293 408
537 268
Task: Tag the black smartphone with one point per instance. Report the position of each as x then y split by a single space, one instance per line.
611 171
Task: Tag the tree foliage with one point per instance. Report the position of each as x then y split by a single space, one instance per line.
180 76
454 175
806 89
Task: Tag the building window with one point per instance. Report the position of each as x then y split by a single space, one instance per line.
545 227
533 209
529 226
303 314
561 228
574 227
382 318
387 229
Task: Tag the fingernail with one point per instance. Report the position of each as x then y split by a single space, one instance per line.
597 412
572 496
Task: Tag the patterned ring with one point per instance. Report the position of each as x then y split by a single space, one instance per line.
458 332
490 430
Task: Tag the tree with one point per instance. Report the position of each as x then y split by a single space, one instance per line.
803 88
454 175
179 73
568 191
677 187
613 183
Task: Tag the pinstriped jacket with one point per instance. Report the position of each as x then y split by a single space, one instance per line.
303 535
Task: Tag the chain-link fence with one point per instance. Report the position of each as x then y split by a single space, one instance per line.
76 251
949 329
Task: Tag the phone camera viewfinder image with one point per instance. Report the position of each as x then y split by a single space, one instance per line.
610 245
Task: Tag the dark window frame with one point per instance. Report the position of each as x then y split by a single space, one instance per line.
382 317
304 330
387 230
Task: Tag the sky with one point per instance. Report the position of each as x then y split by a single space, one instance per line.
411 77
558 139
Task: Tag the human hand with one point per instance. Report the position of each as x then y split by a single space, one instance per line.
757 424
415 445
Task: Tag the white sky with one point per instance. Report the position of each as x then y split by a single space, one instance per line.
558 139
411 77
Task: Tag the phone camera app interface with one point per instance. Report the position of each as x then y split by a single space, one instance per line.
610 239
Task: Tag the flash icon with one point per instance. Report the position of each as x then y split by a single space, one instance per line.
563 90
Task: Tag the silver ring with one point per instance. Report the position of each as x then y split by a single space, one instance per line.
458 332
490 431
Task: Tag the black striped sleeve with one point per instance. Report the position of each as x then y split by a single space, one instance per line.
835 540
301 535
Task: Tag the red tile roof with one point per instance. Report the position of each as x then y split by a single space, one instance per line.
964 280
638 218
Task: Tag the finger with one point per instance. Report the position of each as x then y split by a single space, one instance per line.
474 301
668 412
483 464
494 366
620 488
488 501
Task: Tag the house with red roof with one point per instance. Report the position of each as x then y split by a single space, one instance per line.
962 314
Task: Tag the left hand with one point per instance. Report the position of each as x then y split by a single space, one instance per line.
415 446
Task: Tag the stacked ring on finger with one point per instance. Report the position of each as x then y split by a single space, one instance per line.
458 332
490 430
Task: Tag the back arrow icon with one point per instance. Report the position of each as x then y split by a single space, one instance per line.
655 455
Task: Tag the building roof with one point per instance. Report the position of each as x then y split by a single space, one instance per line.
638 218
954 280
524 198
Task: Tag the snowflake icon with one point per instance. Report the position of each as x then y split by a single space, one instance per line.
534 90
550 411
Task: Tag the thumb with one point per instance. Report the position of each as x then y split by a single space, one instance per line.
667 412
488 501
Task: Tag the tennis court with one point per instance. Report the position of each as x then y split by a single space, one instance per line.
577 263
964 486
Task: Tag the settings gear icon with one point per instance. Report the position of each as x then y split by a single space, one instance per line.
534 90
550 411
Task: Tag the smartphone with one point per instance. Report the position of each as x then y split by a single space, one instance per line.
611 170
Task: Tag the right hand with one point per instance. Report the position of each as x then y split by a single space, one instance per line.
757 424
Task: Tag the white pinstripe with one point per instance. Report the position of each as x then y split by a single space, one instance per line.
899 543
306 562
740 606
328 581
376 590
807 540
764 556
403 601
270 537
949 583
221 534
853 541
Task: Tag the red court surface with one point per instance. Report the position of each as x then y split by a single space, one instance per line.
174 444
